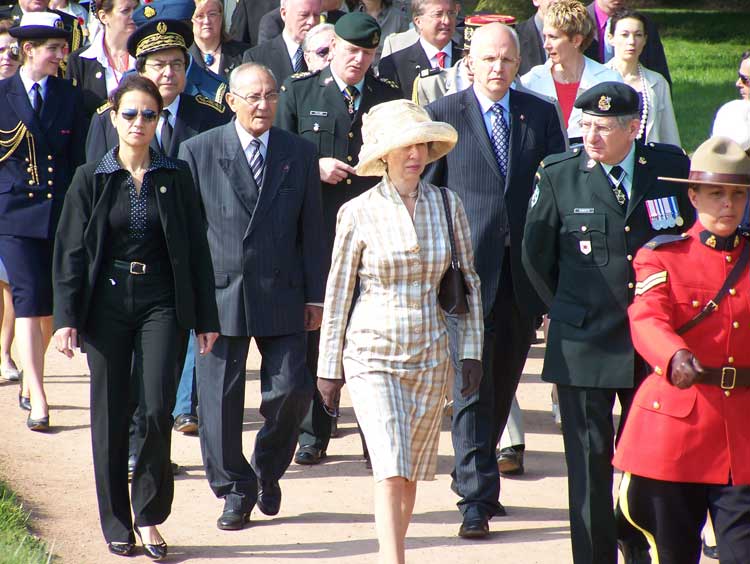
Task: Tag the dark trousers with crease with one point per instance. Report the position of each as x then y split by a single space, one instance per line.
479 419
286 390
132 333
316 426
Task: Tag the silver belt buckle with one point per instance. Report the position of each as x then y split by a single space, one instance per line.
137 268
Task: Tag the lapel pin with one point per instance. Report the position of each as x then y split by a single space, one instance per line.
316 127
328 81
285 168
642 160
522 117
591 163
98 74
163 189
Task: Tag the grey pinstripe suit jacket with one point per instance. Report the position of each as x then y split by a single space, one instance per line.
268 258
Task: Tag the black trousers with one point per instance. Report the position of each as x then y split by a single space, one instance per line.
479 419
286 390
589 439
132 330
315 429
672 514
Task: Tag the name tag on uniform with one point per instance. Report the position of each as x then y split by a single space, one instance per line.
317 113
583 210
664 213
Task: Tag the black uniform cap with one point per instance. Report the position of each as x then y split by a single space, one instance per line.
359 29
157 35
609 99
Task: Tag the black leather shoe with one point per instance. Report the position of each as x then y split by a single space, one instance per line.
632 554
510 461
153 551
309 455
269 497
24 402
176 468
41 424
121 548
232 520
711 552
186 423
474 527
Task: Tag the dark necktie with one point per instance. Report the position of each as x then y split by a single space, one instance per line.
350 95
256 162
616 176
499 138
441 59
299 59
38 100
166 133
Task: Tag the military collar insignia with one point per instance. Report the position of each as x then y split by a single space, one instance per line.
591 163
642 160
720 243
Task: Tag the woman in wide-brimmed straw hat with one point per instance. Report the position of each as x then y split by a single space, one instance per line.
393 348
685 449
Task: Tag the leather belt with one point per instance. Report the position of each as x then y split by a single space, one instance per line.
137 268
726 377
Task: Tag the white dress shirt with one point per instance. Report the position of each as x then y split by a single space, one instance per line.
28 85
431 51
173 107
627 164
246 138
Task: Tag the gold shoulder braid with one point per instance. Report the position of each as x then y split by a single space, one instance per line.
10 140
34 170
201 99
104 107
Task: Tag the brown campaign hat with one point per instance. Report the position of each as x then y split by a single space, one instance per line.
719 161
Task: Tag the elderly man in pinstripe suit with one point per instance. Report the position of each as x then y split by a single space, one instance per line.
260 191
503 135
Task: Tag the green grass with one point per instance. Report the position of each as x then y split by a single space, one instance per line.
17 545
703 50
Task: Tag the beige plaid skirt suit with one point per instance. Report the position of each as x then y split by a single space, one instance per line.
394 347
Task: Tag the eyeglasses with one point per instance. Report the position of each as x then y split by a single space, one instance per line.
322 52
208 16
131 113
603 130
255 99
744 79
450 14
160 66
11 52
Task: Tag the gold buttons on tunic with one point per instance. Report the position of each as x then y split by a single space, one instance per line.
348 180
584 228
49 195
50 157
631 285
656 405
351 135
50 183
729 259
349 158
29 169
736 324
31 194
696 303
732 291
627 229
31 182
163 189
50 169
727 393
730 360
629 257
658 370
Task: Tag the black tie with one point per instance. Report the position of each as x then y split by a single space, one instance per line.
350 95
166 133
616 176
38 100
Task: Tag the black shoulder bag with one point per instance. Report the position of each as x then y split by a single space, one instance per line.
452 293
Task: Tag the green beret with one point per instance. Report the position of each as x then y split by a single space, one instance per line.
609 99
359 29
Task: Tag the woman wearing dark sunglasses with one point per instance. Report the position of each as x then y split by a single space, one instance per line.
132 274
316 46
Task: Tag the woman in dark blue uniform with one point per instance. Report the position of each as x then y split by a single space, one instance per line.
132 274
42 135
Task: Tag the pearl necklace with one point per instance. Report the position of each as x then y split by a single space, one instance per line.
645 109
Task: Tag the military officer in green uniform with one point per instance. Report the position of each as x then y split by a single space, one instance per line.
591 210
326 107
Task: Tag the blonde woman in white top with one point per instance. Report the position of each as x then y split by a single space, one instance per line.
393 348
627 34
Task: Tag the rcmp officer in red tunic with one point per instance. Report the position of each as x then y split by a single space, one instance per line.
686 445
591 211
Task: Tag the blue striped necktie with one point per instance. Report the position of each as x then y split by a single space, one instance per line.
256 162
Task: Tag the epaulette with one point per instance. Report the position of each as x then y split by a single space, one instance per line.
560 157
104 107
424 73
219 96
667 148
303 74
389 82
661 240
201 99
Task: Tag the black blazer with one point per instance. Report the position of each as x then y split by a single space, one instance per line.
88 75
231 56
266 245
532 49
471 170
275 56
79 247
194 115
404 66
653 56
246 17
38 156
272 25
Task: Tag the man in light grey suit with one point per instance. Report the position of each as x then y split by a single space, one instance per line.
260 191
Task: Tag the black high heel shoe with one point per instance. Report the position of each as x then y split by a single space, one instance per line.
24 402
153 551
41 424
121 548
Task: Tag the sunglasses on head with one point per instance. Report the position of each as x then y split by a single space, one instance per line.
744 79
131 113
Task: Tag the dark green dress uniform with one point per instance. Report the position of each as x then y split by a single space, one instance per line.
578 247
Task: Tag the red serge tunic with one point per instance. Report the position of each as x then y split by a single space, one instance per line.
701 434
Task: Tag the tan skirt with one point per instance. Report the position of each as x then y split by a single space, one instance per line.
400 416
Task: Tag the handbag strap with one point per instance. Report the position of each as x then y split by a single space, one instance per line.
446 205
712 305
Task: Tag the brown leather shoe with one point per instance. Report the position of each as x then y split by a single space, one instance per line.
510 461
